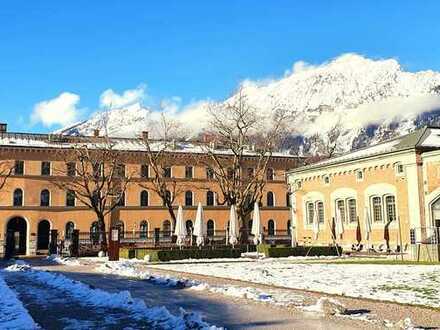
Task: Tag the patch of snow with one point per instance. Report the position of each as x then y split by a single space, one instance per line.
63 260
411 284
13 315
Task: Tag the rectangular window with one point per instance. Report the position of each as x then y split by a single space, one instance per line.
144 171
70 198
19 167
390 203
45 168
352 213
310 212
209 173
120 170
71 169
340 205
377 209
167 172
188 172
320 208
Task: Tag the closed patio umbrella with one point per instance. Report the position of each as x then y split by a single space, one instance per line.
180 230
233 226
199 226
367 224
339 224
256 230
315 225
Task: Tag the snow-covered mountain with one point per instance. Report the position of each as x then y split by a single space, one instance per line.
370 100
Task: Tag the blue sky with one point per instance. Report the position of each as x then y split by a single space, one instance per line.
190 49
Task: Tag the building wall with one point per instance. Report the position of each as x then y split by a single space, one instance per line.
32 183
380 178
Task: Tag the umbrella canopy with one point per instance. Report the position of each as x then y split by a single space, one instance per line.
256 230
339 223
233 226
367 223
180 230
358 231
315 225
199 226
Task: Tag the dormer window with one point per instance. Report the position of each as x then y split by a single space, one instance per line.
399 169
359 175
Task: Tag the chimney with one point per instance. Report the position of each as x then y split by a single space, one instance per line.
96 132
145 135
3 127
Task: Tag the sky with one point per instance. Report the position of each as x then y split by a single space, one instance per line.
60 61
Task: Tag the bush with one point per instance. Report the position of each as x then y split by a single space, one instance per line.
168 255
299 251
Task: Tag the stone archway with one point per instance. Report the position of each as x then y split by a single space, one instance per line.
43 235
16 237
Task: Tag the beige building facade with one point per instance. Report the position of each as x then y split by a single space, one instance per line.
31 205
386 193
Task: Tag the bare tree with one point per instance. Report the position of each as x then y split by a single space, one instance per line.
95 173
159 158
325 145
244 144
6 170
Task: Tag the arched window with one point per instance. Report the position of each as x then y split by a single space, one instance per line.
70 198
94 232
143 229
18 197
269 174
270 199
210 228
271 227
70 226
210 198
144 198
168 197
188 198
376 203
352 212
390 207
44 197
189 227
310 212
320 210
120 226
166 228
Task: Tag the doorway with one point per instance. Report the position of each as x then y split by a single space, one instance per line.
16 237
43 235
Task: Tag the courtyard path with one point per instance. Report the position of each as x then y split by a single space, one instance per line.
52 308
216 309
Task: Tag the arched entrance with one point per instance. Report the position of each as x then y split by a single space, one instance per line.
43 235
16 237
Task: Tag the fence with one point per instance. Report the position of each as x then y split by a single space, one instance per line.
89 242
425 244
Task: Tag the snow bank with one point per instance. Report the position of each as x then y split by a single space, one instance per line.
63 260
158 316
13 315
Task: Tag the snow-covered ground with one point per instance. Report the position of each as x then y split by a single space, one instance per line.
159 316
411 284
12 313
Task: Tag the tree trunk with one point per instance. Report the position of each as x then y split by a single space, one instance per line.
101 229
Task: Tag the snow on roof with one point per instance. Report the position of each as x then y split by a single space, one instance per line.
54 141
422 138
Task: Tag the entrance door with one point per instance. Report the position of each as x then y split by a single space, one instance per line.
16 237
43 235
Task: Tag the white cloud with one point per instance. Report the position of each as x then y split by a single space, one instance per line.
61 110
111 99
